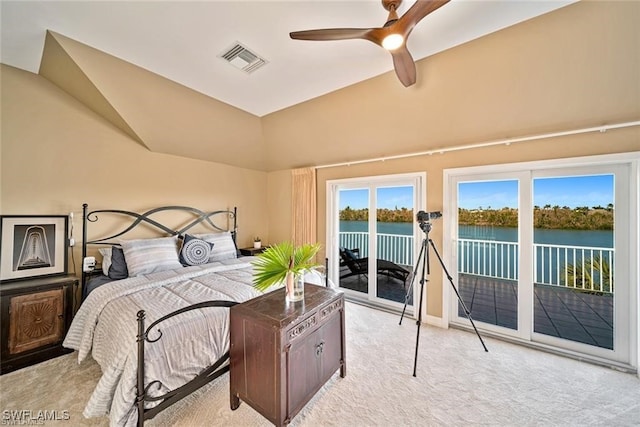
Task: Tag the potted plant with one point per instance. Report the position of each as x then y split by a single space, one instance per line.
285 264
257 243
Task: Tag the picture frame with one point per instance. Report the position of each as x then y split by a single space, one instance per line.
33 246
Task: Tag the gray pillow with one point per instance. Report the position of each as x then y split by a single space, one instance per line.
118 269
224 247
113 263
144 256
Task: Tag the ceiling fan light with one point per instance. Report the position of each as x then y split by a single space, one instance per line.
392 41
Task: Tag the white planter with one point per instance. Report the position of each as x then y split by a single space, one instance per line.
257 245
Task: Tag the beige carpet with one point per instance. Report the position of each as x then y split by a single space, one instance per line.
457 384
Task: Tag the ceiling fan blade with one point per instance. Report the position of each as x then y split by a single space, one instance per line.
332 34
375 35
404 65
419 10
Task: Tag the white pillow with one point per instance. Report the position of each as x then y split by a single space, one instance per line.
223 245
106 259
144 256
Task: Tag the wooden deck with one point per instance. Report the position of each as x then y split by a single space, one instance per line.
559 312
388 287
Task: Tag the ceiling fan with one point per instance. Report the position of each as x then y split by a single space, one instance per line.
391 36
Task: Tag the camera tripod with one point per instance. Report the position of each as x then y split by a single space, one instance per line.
423 257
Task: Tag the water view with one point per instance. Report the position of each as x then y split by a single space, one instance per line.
589 238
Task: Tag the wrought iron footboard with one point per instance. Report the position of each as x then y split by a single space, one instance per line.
171 397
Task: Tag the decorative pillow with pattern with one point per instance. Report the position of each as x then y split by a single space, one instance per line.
195 251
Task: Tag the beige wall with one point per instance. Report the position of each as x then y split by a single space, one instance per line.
278 210
57 154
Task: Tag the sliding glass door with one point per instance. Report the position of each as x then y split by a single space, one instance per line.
542 255
488 237
372 232
575 249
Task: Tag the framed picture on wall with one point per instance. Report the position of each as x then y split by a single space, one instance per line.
32 246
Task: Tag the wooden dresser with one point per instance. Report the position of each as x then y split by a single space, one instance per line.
283 353
36 314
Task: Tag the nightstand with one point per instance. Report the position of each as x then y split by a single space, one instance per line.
282 353
36 315
252 251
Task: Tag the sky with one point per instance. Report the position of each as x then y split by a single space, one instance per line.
574 191
387 198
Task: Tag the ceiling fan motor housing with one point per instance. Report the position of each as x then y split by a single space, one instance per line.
391 4
392 7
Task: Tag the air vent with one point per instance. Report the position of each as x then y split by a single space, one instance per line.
243 59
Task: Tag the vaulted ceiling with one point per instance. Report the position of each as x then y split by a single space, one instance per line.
153 68
181 40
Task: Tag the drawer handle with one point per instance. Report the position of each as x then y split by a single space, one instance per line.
319 349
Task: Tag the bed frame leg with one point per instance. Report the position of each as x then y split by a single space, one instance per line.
140 392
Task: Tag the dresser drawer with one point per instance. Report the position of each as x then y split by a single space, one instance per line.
303 328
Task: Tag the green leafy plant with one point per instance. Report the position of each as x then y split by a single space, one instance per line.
581 276
257 239
272 266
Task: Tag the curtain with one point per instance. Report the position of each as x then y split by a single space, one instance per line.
303 206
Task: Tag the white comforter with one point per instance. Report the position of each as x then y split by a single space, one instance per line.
106 327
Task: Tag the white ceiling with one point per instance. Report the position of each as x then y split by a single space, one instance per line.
181 40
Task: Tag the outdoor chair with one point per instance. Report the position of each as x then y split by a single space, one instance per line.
360 266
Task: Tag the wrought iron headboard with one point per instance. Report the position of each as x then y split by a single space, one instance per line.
199 217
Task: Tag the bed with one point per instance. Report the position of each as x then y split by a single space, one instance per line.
183 297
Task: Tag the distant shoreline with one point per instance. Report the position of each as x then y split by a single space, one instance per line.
547 217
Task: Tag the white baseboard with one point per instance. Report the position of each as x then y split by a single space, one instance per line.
436 321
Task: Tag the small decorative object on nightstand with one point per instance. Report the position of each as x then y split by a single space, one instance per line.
257 243
36 315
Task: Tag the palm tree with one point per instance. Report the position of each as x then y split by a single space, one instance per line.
591 274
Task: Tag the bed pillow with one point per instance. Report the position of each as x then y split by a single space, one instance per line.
144 256
118 269
195 251
106 260
224 246
113 263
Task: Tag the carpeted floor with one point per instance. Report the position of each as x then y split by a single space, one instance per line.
457 383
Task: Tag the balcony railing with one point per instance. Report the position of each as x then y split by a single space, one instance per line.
397 248
489 258
578 267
